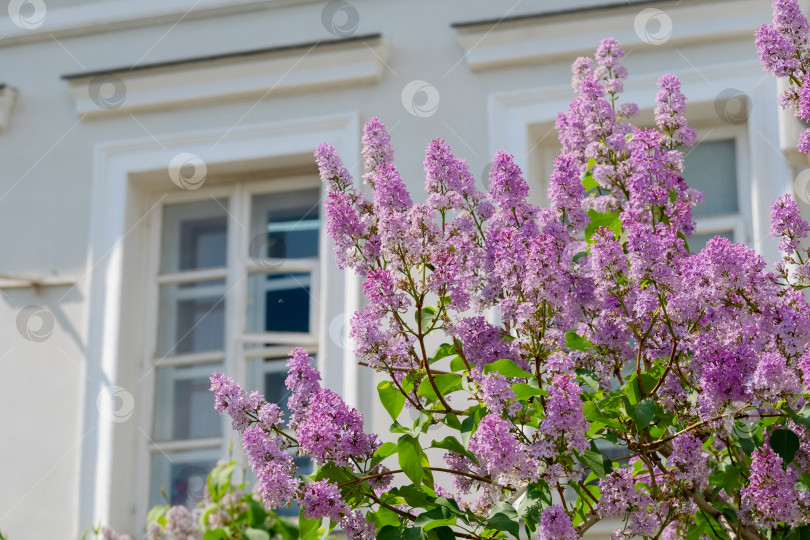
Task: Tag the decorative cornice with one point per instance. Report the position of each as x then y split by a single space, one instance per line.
260 73
549 37
111 15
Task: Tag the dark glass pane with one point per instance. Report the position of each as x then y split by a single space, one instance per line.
279 302
711 167
285 225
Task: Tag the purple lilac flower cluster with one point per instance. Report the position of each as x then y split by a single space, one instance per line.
325 428
598 295
783 51
716 318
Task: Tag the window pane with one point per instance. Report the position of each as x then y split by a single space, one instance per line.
278 302
194 236
698 241
182 475
184 407
192 317
711 167
285 225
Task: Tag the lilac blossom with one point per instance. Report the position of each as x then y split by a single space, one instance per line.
787 223
322 499
556 525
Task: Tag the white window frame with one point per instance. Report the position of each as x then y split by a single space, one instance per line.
235 274
127 175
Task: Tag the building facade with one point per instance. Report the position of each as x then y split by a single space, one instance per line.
159 203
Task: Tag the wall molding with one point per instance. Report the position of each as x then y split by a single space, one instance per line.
320 65
112 15
547 38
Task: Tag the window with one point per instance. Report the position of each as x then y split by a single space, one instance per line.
716 166
236 288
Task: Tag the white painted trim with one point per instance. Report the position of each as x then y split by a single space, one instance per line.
108 16
513 114
253 76
121 185
552 38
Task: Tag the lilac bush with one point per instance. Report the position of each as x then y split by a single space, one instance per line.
592 366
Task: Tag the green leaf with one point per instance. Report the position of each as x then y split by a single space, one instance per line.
802 417
470 423
450 504
731 480
215 534
256 534
525 391
588 182
410 458
785 443
598 219
308 527
642 412
597 418
457 364
385 450
504 517
802 533
634 390
441 533
416 496
437 517
537 498
576 342
219 480
747 445
453 444
391 398
427 314
588 377
156 512
444 350
333 473
452 421
286 528
383 517
507 368
446 383
596 462
393 533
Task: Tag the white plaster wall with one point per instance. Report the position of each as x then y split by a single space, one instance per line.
45 185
